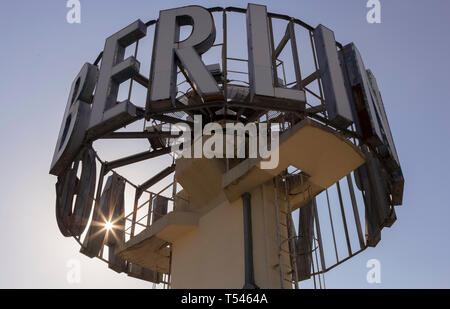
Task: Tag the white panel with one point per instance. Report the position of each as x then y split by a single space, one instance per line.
336 99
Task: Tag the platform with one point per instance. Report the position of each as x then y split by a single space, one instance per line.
148 249
321 154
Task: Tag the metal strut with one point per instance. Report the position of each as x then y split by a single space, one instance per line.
248 243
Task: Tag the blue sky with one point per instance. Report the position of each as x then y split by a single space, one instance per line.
42 53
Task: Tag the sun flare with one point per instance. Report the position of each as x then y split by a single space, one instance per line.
108 225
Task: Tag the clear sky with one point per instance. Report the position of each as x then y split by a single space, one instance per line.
42 53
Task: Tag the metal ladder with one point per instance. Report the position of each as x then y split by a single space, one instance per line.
285 238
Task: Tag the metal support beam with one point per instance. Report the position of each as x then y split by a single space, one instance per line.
141 80
315 109
282 43
129 135
224 55
344 220
309 79
169 119
294 50
319 235
355 211
135 209
248 243
136 158
158 177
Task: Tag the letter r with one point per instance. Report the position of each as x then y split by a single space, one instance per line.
168 52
